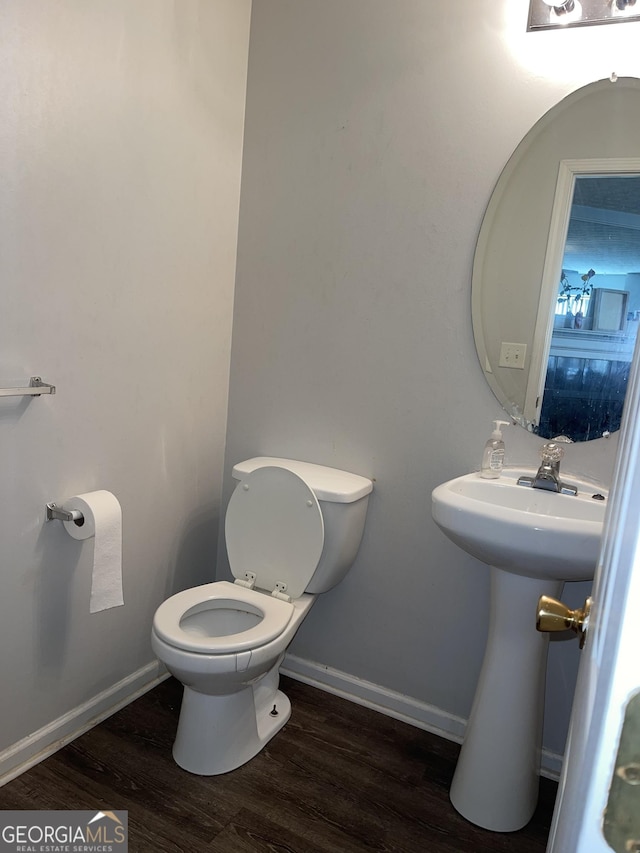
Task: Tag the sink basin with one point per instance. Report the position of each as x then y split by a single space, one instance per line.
533 541
523 530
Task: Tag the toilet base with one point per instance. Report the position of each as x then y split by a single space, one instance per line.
217 734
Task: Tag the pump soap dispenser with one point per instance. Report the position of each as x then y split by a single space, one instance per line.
493 454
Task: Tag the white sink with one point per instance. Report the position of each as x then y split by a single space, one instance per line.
533 541
523 530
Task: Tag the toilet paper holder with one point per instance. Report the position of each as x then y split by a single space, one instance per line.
57 513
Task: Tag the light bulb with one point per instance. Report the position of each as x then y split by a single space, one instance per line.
564 12
623 7
561 8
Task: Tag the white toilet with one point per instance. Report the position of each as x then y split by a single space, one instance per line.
292 530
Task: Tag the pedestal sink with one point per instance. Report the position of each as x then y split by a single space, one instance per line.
533 540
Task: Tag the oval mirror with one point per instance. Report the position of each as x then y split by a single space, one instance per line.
556 274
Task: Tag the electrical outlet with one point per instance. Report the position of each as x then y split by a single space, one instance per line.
512 355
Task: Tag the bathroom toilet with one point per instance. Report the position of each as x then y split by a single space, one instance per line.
292 531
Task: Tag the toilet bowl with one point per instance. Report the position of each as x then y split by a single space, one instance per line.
292 531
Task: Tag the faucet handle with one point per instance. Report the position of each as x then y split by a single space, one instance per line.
551 452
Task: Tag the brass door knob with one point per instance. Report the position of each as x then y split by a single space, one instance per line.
553 615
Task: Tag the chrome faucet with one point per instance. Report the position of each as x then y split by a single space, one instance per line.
548 474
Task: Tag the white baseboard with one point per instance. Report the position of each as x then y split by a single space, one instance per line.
41 744
393 704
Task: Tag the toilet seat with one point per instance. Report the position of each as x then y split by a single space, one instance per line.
274 530
275 537
217 604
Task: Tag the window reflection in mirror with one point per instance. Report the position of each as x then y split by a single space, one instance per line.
597 310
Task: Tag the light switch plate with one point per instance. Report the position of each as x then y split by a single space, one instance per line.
512 355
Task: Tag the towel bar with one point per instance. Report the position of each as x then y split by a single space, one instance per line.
35 389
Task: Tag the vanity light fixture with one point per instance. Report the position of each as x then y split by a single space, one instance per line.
550 14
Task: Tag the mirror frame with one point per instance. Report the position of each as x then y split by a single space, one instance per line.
600 121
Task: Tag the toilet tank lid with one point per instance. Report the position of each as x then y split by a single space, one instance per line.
328 484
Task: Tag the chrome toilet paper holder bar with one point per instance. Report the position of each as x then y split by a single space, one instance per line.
57 513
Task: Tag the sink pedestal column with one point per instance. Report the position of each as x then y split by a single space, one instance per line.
497 776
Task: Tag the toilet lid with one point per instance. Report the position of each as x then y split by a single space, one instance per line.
274 529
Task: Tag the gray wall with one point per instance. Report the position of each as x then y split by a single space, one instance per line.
374 135
120 151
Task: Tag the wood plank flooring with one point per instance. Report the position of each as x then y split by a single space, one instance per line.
338 778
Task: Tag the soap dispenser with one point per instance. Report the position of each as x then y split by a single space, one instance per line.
493 454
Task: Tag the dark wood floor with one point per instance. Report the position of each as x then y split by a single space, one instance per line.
338 778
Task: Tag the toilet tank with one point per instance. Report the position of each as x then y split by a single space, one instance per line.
343 499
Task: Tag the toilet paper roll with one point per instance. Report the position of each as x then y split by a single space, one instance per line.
102 523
